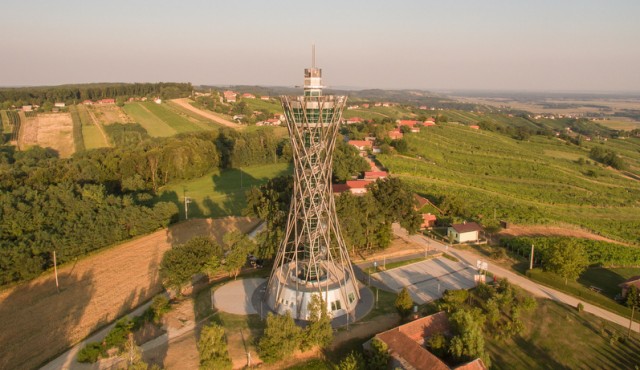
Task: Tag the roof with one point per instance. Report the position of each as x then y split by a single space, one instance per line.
421 200
407 122
428 217
403 348
426 327
357 184
376 174
360 143
634 280
476 364
340 188
466 227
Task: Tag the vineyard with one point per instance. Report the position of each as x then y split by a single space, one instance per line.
541 181
13 119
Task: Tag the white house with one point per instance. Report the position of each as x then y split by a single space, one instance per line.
465 232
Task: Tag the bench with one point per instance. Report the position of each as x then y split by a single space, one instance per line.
595 289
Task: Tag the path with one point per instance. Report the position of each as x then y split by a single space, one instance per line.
184 103
470 258
99 126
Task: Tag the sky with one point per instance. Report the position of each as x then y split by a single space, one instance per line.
541 45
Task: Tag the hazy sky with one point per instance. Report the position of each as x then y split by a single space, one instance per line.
517 45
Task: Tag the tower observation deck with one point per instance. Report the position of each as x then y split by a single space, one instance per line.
312 258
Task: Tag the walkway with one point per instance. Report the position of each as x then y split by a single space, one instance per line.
538 290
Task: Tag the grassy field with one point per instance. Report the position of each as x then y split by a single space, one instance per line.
200 121
153 124
558 337
220 193
619 125
180 123
524 182
91 134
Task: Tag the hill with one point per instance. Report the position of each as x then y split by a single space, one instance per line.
488 177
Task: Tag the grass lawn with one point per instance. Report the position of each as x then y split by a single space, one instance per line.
392 265
220 194
178 122
154 125
558 337
197 119
92 137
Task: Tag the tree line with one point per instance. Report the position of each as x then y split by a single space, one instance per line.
70 94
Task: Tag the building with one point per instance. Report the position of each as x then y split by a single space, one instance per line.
230 96
59 105
264 97
248 96
374 175
157 101
353 120
395 134
356 187
407 122
27 108
361 144
106 101
465 232
475 127
428 221
313 258
406 345
625 285
89 102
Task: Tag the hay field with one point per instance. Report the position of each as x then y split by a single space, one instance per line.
52 130
38 323
107 114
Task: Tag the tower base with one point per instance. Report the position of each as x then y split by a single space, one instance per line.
287 292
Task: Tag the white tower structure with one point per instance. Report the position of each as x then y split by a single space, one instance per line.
312 258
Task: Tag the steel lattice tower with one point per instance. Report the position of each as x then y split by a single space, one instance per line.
312 258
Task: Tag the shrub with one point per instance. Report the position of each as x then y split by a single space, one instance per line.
159 306
404 303
580 307
90 353
118 336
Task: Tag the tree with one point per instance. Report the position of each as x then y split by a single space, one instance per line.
319 331
568 259
452 300
633 297
347 162
468 340
132 355
397 202
180 263
404 303
212 348
281 338
437 344
379 355
238 246
353 361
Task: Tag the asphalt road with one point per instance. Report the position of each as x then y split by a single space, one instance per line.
470 258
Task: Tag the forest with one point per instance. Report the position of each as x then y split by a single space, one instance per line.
70 94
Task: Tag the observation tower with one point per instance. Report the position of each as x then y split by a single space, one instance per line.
312 258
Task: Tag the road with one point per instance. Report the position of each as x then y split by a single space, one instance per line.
538 290
184 103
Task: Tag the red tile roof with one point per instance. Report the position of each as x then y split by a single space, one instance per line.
408 122
357 184
476 127
360 143
405 349
375 174
476 364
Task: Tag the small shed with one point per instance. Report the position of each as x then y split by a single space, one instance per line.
465 232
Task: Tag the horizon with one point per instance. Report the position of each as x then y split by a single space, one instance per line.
577 47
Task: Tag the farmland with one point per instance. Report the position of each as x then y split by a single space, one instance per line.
38 322
154 125
528 182
220 193
53 130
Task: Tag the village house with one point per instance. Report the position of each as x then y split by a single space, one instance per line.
374 175
89 102
106 101
353 120
395 134
27 108
625 285
361 144
59 105
356 187
475 127
464 232
248 96
230 96
157 101
407 345
428 221
264 97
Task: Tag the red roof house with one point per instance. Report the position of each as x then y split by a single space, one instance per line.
361 144
428 220
356 187
395 134
374 175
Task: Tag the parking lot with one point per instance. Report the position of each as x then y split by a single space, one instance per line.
427 280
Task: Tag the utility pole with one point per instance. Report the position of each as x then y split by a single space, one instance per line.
531 258
55 270
187 200
633 309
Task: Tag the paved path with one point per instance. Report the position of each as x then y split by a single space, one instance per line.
235 297
184 103
470 258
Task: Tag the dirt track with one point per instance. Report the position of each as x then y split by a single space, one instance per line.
184 103
542 230
38 323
